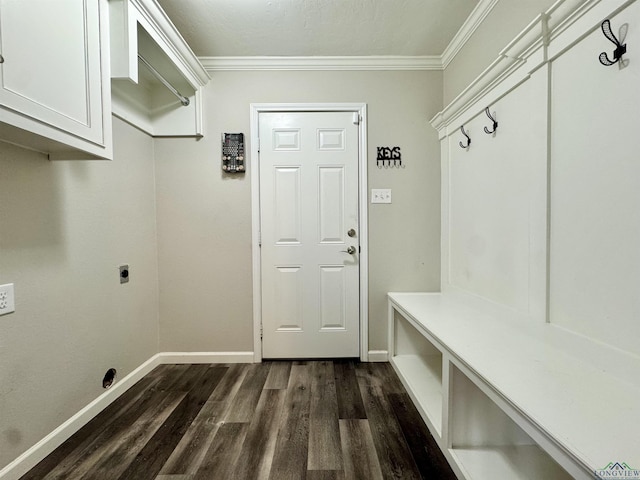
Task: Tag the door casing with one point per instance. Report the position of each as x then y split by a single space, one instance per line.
361 110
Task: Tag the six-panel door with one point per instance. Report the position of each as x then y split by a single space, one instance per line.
308 204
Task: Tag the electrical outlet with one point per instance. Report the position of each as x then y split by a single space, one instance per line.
380 195
7 299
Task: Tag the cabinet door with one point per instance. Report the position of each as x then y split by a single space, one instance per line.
52 67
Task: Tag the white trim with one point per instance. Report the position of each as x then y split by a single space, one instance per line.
380 62
378 356
48 444
361 109
372 62
206 357
255 234
520 52
157 20
363 209
468 28
572 20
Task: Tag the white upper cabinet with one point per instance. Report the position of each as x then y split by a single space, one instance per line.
157 81
54 79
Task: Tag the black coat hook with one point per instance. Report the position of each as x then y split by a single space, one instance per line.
618 52
495 122
468 138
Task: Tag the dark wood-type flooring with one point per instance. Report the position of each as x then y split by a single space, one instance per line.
313 420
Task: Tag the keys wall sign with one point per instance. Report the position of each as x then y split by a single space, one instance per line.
389 157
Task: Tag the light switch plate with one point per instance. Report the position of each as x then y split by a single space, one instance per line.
7 299
380 195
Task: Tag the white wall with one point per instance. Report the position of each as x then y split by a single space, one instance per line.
204 217
594 176
494 210
64 229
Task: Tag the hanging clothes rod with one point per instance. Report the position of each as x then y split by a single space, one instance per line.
184 100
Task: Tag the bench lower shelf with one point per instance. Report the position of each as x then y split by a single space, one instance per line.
424 386
513 462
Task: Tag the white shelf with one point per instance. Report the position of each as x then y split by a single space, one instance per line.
422 377
522 462
141 27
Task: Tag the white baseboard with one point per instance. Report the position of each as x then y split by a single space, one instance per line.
378 356
206 357
48 444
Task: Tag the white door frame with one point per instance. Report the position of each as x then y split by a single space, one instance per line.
254 168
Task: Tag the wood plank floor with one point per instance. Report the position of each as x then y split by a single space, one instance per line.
313 420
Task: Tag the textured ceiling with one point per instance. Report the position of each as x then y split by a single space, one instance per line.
317 27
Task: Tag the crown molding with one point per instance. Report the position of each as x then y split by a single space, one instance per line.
470 25
346 63
216 64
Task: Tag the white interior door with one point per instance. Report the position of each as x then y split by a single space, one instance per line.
309 234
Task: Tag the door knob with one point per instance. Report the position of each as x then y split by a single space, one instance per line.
351 232
351 250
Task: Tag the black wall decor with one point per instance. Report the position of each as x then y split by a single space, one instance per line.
494 126
621 48
233 152
386 155
462 145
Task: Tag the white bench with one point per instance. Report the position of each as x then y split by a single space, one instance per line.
507 398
